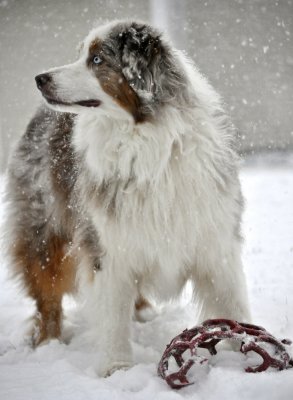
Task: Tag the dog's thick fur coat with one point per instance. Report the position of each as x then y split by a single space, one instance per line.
128 185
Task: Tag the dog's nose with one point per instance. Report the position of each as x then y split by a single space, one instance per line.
42 80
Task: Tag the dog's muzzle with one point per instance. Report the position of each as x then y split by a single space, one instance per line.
46 85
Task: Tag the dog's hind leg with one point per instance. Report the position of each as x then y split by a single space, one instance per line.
47 273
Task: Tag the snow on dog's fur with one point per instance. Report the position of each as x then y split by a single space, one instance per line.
127 184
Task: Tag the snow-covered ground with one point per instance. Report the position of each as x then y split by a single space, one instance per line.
66 371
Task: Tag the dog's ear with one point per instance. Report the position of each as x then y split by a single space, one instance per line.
141 53
141 42
150 67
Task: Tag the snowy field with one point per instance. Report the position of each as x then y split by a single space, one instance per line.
67 371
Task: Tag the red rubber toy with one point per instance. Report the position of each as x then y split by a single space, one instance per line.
208 335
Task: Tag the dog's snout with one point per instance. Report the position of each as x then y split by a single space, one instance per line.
42 80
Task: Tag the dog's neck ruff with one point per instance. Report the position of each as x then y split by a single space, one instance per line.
122 149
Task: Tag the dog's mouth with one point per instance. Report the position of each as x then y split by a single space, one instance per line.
88 103
83 103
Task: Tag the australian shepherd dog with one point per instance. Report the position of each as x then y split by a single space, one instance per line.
126 185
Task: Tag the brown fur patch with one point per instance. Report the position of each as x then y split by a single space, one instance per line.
141 303
95 47
47 274
114 83
116 86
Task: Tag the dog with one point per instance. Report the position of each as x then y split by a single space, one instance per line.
125 184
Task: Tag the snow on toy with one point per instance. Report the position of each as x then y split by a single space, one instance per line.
184 348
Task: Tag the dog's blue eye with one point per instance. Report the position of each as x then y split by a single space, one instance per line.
97 60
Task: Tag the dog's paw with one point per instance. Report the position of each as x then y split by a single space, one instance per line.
108 369
35 337
39 332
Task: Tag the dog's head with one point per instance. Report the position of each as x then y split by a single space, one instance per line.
124 69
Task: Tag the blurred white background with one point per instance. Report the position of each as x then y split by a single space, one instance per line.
244 47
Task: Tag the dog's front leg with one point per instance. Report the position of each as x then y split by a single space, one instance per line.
114 301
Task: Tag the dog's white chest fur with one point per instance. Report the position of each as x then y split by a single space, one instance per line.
165 188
